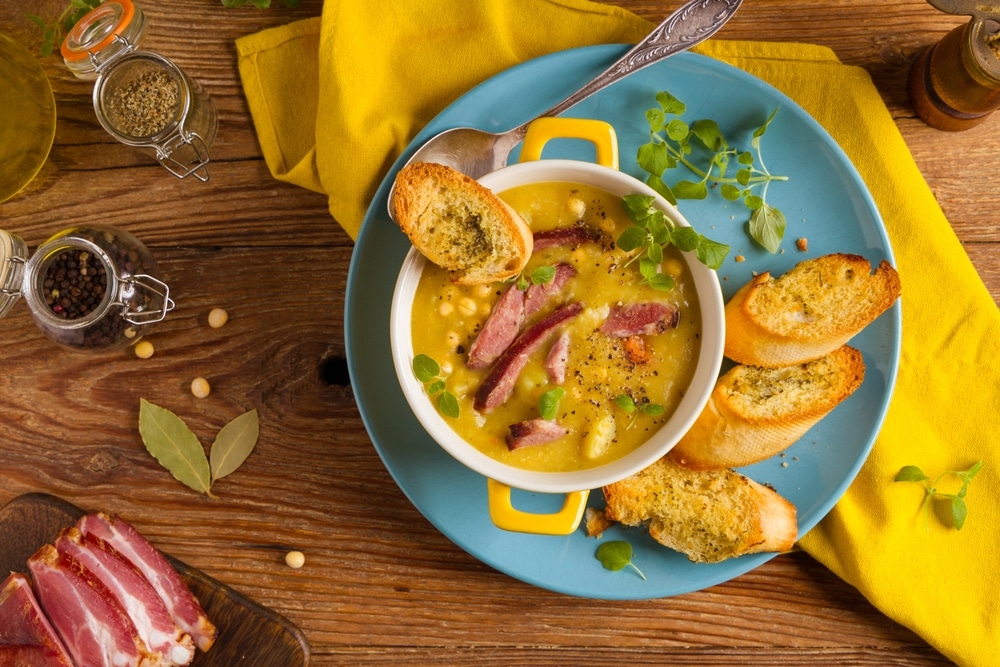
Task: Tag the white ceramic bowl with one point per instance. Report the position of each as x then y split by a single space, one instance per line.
708 362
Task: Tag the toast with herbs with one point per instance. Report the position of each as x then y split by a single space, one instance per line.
754 413
459 224
810 311
709 516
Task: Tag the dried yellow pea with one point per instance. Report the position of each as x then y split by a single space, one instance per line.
217 317
200 387
143 349
295 559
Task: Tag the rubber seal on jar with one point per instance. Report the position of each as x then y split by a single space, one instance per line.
97 30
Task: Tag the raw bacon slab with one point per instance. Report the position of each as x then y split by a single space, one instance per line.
27 639
640 318
499 383
183 606
140 600
533 432
499 330
95 629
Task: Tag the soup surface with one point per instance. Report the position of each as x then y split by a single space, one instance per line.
651 369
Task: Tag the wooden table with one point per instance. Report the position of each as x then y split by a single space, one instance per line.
380 584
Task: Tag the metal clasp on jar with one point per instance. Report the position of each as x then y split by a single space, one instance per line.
181 168
153 308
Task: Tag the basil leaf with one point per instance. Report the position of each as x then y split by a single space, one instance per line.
448 404
233 444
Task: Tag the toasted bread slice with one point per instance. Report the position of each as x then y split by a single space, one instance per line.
754 413
708 516
460 225
807 313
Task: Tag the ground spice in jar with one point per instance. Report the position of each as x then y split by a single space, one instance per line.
993 44
145 105
75 284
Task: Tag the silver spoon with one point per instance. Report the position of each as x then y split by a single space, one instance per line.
477 152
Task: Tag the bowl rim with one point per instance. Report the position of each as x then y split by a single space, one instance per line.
699 390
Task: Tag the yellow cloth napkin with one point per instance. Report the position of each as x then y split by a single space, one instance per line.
335 99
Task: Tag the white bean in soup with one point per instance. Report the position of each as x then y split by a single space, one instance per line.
653 366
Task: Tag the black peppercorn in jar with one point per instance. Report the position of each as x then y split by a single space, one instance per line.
141 98
89 289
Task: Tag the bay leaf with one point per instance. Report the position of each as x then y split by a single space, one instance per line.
175 446
233 444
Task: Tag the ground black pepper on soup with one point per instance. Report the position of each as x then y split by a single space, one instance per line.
653 367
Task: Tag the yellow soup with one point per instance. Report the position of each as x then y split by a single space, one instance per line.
651 369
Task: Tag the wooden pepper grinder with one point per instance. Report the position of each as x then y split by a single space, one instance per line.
955 84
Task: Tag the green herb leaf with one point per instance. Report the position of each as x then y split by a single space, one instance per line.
233 444
670 104
767 227
959 511
548 403
428 371
653 157
711 253
709 134
625 402
172 443
631 238
425 368
910 474
959 507
617 555
690 190
447 403
652 409
543 275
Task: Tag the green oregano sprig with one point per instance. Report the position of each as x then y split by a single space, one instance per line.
671 141
652 231
428 372
541 275
628 404
959 509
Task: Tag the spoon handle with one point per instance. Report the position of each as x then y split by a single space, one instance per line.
690 24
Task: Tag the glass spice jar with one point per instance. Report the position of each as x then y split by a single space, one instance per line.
141 98
90 288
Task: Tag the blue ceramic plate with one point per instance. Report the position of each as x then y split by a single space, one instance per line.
824 201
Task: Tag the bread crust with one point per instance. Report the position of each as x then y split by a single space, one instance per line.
459 224
709 516
754 413
819 305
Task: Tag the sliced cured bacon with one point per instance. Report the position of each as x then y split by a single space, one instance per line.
499 383
557 358
183 606
640 319
26 636
131 588
564 236
537 296
533 432
94 627
499 330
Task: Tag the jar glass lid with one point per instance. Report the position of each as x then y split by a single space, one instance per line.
111 29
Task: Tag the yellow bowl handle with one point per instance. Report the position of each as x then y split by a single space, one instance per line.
563 522
599 133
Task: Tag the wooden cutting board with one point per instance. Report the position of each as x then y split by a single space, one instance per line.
250 635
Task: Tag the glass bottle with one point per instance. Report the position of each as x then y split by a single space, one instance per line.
89 288
141 98
955 84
